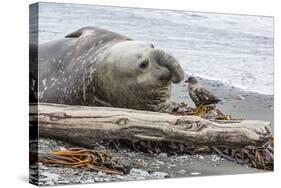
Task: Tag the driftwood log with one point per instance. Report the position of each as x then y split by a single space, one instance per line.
86 125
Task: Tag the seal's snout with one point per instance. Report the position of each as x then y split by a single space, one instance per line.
165 75
166 60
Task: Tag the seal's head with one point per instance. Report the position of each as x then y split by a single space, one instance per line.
136 75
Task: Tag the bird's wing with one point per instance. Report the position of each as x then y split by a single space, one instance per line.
206 95
194 96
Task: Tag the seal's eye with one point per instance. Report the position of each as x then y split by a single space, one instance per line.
144 64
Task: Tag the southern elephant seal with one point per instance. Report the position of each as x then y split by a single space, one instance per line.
96 67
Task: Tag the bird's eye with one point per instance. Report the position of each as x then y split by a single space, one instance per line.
144 64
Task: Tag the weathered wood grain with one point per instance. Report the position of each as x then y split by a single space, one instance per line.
85 125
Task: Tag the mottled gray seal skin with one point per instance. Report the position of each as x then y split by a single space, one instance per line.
96 67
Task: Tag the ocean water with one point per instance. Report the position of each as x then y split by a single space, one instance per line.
234 49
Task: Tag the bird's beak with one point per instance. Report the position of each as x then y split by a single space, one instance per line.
186 81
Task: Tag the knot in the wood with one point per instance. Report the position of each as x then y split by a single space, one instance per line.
190 125
57 116
122 121
183 122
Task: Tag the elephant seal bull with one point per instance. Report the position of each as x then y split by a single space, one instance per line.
96 67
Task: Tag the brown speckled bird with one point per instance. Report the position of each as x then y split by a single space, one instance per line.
199 95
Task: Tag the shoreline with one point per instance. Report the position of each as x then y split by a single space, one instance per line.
238 87
236 102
